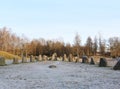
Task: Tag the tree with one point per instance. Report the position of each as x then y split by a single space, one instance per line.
68 49
114 43
95 45
102 46
89 46
77 44
4 38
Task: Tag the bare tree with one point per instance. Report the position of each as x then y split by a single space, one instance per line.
95 45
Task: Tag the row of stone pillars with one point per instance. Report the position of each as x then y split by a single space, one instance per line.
54 57
70 58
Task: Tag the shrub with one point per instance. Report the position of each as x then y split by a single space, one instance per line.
7 55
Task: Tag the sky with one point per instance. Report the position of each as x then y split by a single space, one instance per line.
61 19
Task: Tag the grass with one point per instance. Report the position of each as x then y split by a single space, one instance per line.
8 55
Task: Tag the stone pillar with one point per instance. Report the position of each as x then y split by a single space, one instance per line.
73 59
60 58
103 62
54 57
15 60
76 59
92 61
44 58
31 58
65 58
117 66
36 58
24 60
84 59
40 58
2 61
70 58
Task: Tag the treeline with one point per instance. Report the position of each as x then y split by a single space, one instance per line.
14 44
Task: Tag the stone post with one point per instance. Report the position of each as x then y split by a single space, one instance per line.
117 66
103 62
40 58
70 58
2 61
54 57
44 58
24 60
84 59
65 58
92 61
31 58
15 60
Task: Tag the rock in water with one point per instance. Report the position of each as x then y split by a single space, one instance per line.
52 66
2 61
103 62
117 66
92 61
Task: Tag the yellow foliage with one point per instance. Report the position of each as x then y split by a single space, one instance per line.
8 55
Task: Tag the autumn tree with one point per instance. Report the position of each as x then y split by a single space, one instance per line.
4 38
114 43
77 42
89 46
68 49
102 46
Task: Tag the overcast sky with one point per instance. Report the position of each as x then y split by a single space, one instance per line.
53 19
